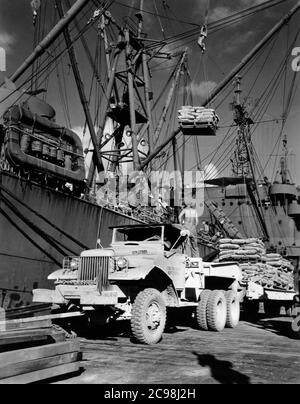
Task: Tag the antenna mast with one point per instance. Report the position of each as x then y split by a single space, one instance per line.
241 165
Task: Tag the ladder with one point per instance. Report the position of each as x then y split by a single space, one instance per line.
227 225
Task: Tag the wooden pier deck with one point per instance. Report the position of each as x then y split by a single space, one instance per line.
264 352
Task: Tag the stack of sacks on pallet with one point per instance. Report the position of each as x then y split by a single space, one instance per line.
197 115
268 276
268 270
285 271
248 250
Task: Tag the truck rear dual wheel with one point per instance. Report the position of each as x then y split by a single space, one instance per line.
217 309
212 310
148 317
233 309
201 315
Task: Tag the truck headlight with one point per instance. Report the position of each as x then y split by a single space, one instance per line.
122 263
74 264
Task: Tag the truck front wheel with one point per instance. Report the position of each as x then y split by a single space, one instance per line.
216 311
148 317
233 309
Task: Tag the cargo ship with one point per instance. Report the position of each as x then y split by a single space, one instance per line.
56 196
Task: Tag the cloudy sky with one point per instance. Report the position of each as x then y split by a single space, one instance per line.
225 49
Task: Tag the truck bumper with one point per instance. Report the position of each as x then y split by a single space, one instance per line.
84 295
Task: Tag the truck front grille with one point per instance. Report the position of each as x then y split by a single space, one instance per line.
95 270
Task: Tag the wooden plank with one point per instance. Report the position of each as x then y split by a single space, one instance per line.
5 345
24 355
35 322
21 368
32 311
8 326
19 333
24 336
42 374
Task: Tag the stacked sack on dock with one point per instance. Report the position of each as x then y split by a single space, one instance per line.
268 270
197 115
268 276
240 250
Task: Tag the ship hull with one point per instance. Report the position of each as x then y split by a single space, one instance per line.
31 248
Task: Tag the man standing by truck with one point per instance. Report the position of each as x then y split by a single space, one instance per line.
188 218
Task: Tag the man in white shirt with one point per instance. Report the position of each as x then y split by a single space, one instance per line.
188 218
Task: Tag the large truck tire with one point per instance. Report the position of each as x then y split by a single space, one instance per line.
216 311
201 311
233 309
148 317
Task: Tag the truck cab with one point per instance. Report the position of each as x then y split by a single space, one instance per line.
145 270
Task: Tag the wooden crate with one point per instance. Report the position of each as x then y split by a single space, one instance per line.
32 349
30 365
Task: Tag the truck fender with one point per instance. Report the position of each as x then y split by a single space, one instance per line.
62 274
56 275
161 280
136 274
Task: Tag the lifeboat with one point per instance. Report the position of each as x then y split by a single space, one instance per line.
37 143
282 192
294 213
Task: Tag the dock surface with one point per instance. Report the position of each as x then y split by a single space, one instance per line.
255 353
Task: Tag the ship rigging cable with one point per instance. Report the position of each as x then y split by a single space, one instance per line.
49 239
253 63
29 238
18 200
45 69
107 6
50 57
266 96
226 21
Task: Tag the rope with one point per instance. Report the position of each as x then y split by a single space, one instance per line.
159 20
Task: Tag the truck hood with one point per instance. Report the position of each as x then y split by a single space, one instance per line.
138 253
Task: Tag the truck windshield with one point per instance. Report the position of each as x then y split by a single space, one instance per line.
138 234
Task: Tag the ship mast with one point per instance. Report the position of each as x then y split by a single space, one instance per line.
42 47
147 89
243 162
85 104
127 110
284 166
228 79
134 49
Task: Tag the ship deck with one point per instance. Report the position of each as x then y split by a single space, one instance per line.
261 353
